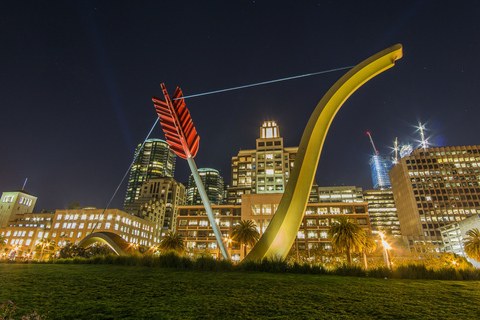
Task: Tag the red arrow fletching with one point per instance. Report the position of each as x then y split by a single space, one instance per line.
177 124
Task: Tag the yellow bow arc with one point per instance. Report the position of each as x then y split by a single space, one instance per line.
282 230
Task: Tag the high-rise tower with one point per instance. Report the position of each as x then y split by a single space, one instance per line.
213 183
263 170
155 160
379 166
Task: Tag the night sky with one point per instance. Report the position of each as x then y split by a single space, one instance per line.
76 81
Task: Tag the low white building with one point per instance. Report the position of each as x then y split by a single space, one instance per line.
453 236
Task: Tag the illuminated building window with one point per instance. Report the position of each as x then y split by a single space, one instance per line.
312 234
266 209
334 210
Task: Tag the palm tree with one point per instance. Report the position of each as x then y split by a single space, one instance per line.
172 241
368 246
45 244
245 233
3 241
472 244
347 236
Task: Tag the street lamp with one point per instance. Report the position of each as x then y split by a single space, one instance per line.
386 247
227 241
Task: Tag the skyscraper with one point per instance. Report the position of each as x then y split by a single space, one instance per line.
379 166
213 184
264 169
155 160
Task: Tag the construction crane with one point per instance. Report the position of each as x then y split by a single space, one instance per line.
371 140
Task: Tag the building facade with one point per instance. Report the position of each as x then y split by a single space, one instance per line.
13 203
382 212
154 160
435 187
194 226
265 169
348 194
158 203
213 184
454 234
26 230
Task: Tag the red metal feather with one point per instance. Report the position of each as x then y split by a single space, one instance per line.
177 124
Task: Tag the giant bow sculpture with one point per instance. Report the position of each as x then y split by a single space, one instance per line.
281 232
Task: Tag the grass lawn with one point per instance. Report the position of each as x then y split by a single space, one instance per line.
123 292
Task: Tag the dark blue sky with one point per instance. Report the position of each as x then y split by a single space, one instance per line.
76 80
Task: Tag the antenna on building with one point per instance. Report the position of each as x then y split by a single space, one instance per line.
23 188
424 141
395 160
371 140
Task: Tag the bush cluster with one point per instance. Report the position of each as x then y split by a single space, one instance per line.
275 265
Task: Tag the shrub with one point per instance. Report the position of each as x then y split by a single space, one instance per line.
350 270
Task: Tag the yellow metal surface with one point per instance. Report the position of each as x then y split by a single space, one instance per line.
282 230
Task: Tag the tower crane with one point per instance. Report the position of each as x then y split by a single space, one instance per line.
371 140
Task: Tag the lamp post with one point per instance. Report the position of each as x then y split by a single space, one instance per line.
386 246
227 244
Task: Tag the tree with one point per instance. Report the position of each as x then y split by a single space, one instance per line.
172 241
74 205
472 244
245 233
3 241
46 245
368 246
346 236
71 250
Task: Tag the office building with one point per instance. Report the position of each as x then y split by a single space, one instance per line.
213 184
154 160
382 212
194 226
13 203
455 234
265 169
434 187
348 194
158 203
25 230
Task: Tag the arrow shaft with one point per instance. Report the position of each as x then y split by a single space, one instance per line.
208 208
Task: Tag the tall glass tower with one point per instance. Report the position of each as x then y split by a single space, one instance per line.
213 183
155 160
379 166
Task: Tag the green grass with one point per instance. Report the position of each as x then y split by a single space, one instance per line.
85 291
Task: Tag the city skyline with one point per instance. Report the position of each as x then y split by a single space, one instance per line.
78 78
